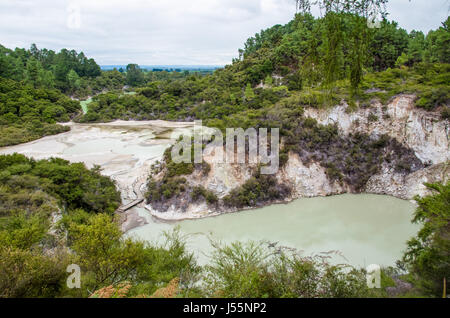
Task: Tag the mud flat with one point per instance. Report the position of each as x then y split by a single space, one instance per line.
124 150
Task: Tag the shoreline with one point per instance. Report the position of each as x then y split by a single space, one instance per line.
126 176
178 217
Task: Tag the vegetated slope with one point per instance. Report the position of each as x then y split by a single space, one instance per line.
53 214
281 73
73 73
34 83
67 71
28 113
291 60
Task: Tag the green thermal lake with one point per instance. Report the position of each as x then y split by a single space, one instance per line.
366 229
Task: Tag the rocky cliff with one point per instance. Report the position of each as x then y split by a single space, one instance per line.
421 131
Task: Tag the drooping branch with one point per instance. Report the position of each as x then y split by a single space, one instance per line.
364 8
363 12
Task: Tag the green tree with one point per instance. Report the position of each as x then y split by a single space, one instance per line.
428 254
249 93
32 71
135 77
46 78
73 80
103 254
334 36
388 43
268 80
438 44
25 273
416 47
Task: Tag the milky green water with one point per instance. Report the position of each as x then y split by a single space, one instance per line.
366 229
84 104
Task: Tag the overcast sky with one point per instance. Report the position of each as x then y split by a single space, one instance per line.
149 32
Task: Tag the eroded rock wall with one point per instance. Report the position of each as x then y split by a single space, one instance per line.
423 132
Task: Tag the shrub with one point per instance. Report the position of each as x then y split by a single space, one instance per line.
445 114
372 118
200 192
427 254
257 190
251 270
164 189
434 97
24 273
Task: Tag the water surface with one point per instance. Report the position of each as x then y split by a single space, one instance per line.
365 228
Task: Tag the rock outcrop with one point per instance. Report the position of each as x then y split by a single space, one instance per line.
420 130
423 132
130 220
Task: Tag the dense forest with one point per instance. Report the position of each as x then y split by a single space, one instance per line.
40 88
73 73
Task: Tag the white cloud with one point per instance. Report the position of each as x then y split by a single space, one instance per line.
166 31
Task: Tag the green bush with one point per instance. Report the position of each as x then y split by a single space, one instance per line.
258 190
372 118
427 254
164 189
200 192
251 270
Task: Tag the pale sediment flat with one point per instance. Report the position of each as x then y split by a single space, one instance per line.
124 150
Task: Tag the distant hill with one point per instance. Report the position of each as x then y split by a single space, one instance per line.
168 68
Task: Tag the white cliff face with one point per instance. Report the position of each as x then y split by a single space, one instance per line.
307 180
406 187
415 128
422 131
223 177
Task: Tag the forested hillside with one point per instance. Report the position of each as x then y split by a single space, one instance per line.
291 63
66 70
37 85
34 89
28 113
282 65
72 73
